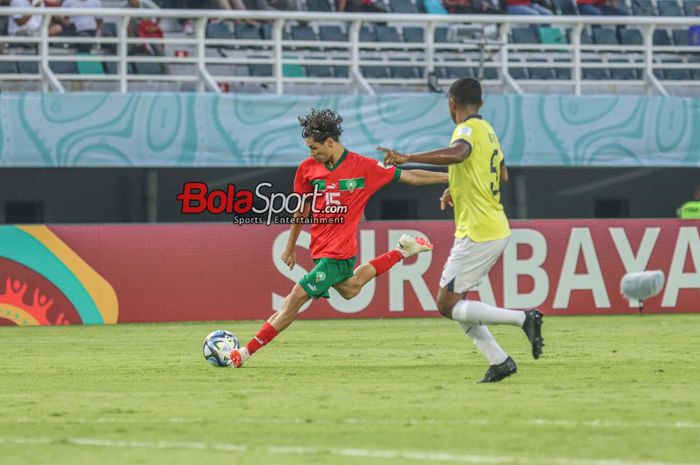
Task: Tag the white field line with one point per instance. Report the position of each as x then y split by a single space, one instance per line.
404 456
361 421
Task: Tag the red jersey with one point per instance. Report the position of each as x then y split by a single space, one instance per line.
351 182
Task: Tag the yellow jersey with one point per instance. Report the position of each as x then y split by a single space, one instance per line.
475 183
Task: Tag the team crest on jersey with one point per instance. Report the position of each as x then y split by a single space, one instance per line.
320 276
351 184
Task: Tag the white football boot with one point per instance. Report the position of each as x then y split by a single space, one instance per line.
411 245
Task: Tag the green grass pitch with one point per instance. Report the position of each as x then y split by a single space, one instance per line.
617 390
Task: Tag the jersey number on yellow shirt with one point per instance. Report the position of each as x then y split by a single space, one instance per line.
494 170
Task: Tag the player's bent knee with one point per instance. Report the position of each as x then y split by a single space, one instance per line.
348 294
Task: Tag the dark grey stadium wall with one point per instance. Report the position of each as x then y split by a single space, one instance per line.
114 195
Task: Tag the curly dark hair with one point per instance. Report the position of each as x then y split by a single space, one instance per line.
321 125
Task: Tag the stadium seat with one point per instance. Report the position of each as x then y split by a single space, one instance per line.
260 69
111 67
540 73
387 34
682 74
413 34
28 67
63 67
90 67
695 59
319 71
586 38
379 71
303 33
440 72
631 37
247 32
489 73
517 72
595 74
566 7
318 5
367 34
440 35
332 34
375 72
691 7
643 8
341 71
661 37
659 73
109 30
266 31
551 35
293 69
563 73
219 30
405 72
605 36
680 37
148 68
524 35
8 67
669 8
622 74
454 72
403 6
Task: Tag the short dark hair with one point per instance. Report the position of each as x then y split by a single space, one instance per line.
466 91
321 125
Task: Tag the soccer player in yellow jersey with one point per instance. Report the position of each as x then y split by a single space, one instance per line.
476 169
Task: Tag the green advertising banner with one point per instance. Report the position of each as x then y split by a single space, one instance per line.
185 129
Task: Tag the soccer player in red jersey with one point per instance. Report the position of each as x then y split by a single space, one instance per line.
346 181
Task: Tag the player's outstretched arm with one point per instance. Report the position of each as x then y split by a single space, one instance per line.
455 153
423 177
289 256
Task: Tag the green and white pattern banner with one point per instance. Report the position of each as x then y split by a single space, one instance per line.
185 129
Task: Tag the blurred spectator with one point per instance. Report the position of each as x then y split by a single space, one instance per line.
82 25
282 5
434 7
145 27
462 7
186 24
599 8
230 4
526 7
360 6
691 209
29 25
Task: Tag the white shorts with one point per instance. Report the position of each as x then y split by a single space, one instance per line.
469 262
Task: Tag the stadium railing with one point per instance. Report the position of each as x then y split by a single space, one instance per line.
358 53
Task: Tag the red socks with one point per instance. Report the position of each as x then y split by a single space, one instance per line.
264 336
385 261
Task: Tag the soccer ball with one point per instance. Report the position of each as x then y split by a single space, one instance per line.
218 346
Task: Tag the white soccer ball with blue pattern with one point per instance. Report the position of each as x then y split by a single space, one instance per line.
217 347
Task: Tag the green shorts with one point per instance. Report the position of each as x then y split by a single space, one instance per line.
327 273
